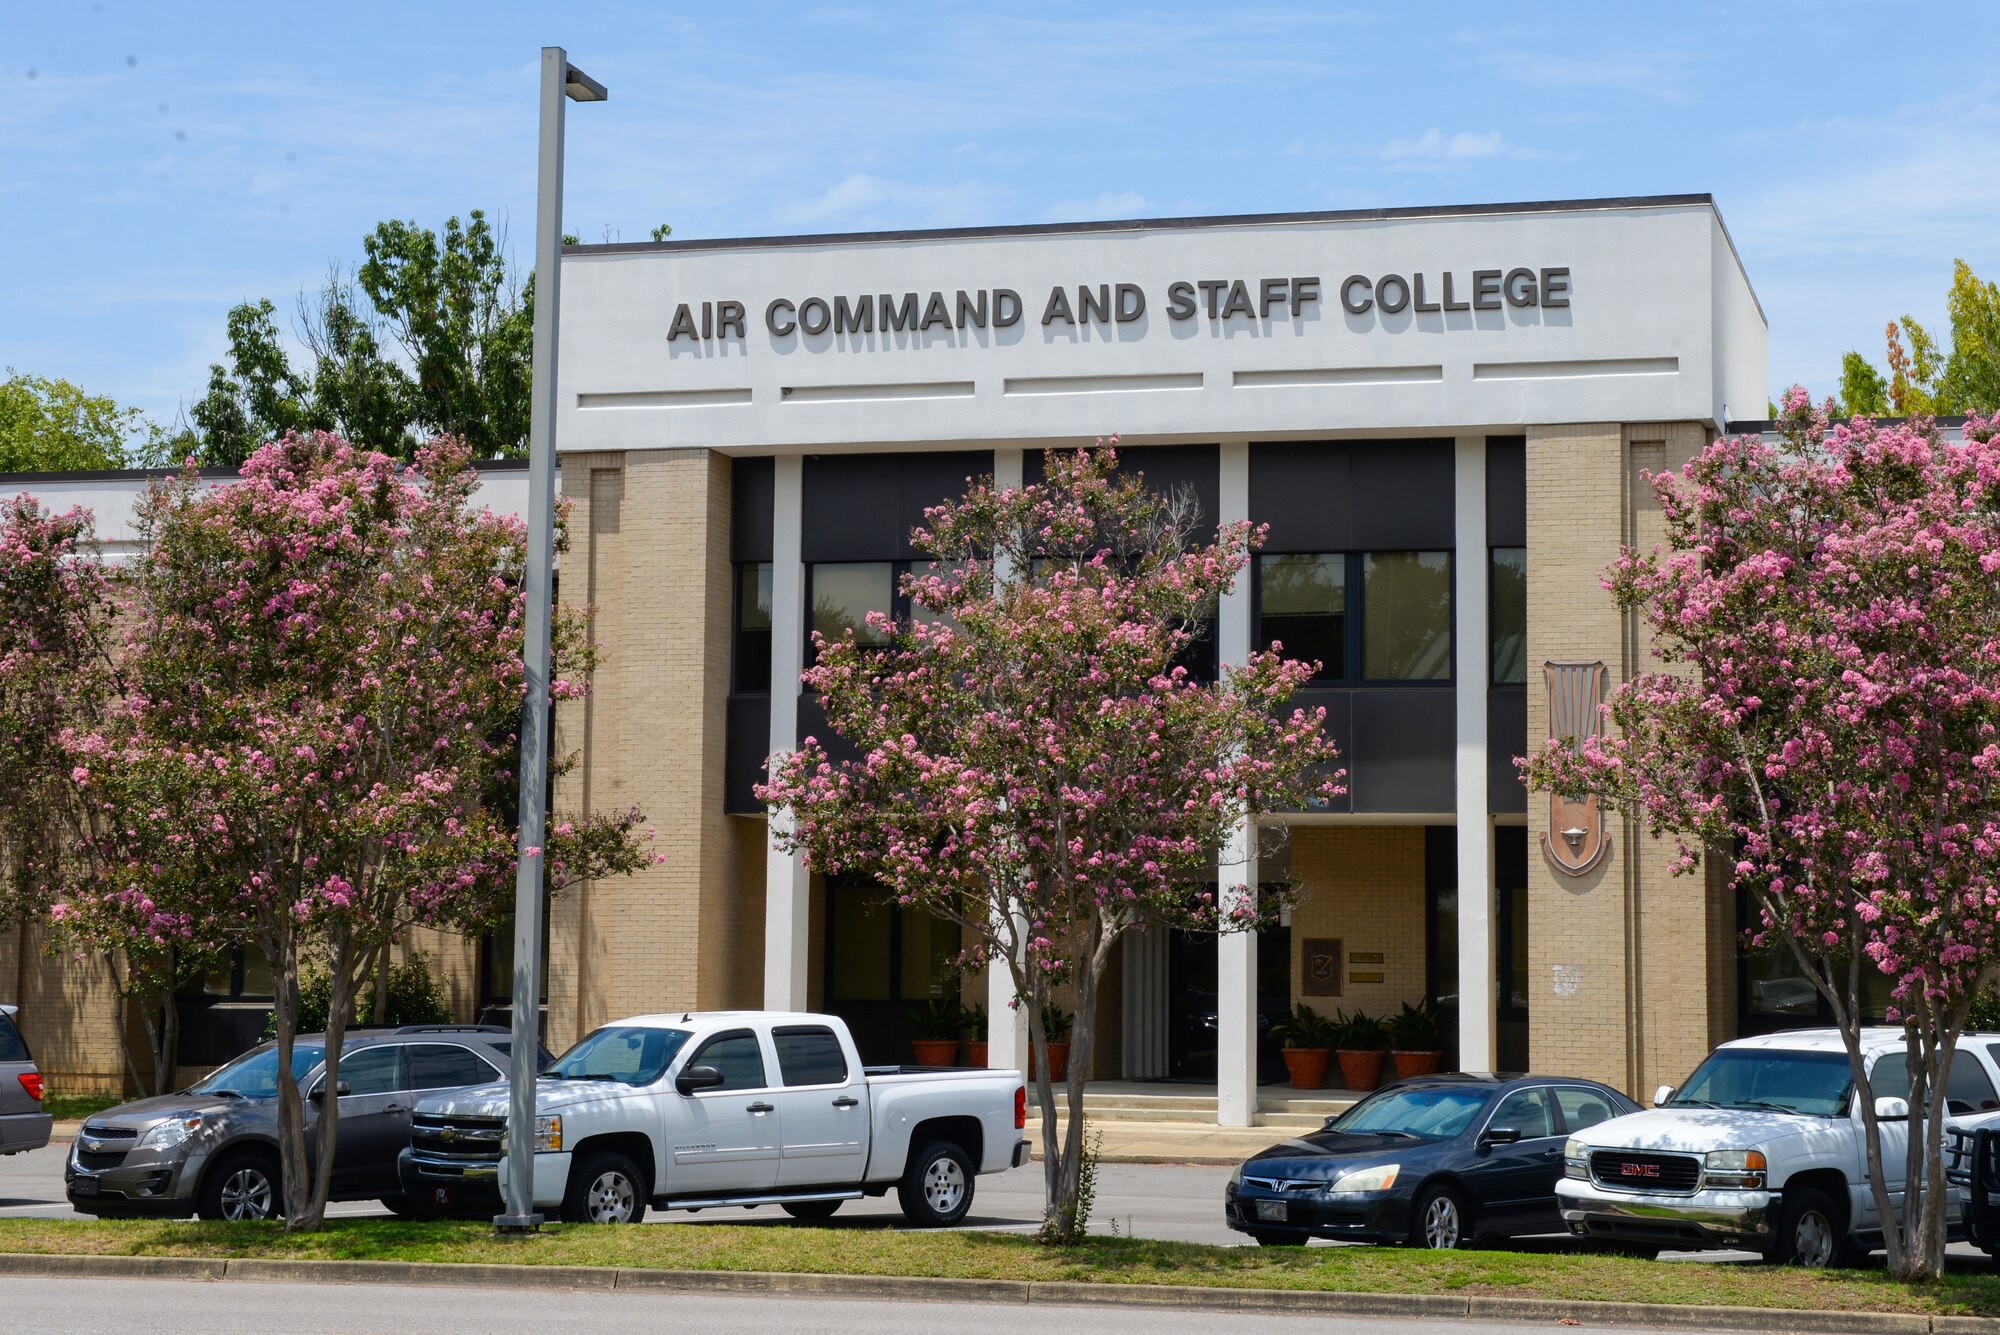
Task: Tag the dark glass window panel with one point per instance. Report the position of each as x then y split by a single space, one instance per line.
753 627
858 924
13 1048
1967 1092
445 1066
1776 987
738 1057
845 592
1507 616
929 944
1406 616
1302 604
809 1054
1527 1111
1583 1108
374 1070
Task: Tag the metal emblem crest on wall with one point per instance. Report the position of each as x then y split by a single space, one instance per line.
1575 840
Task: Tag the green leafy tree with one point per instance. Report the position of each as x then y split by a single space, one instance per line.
466 323
51 426
1863 391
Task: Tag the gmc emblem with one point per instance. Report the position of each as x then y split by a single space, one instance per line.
1638 1170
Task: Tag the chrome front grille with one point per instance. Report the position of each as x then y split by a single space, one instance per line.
450 1143
1282 1184
1639 1170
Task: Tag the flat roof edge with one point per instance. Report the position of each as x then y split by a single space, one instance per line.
1156 224
211 470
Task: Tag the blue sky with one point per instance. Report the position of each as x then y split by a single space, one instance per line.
162 163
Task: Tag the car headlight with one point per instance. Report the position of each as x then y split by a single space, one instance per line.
1236 1176
548 1134
1379 1178
1733 1168
170 1133
1575 1160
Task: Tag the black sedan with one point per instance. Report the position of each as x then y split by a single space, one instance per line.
1433 1162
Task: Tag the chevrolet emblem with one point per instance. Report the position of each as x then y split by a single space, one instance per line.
93 1145
447 1134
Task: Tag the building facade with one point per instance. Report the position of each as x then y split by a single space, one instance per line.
1444 417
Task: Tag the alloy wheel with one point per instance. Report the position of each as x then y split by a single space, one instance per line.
944 1184
611 1198
247 1194
1812 1240
1442 1226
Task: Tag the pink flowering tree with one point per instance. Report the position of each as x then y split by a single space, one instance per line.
1827 614
59 674
321 687
1035 764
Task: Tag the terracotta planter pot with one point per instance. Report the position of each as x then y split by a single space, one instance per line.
1415 1063
935 1051
1308 1066
1058 1063
1360 1070
975 1052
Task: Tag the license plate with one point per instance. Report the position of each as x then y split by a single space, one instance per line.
440 1195
1276 1210
83 1186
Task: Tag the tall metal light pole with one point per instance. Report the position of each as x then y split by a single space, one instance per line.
560 81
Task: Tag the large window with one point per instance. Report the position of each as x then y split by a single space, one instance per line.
1507 615
752 658
878 951
841 594
1374 617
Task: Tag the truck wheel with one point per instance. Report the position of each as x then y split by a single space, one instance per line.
811 1211
1440 1221
1267 1239
243 1185
1810 1231
604 1188
936 1190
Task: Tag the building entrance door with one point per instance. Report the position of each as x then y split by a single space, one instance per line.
1192 996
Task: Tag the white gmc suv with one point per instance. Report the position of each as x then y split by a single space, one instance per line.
707 1109
1762 1148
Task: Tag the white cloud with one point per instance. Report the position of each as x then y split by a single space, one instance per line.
862 200
1122 204
1433 145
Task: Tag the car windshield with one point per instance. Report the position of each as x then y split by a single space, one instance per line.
1815 1083
255 1074
1433 1113
629 1054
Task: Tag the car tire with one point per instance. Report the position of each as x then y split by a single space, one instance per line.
811 1212
1812 1232
1266 1239
404 1207
242 1185
936 1190
1440 1223
604 1188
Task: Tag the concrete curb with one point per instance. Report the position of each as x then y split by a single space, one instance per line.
604 1279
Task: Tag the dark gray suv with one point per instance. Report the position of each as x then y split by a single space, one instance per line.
212 1149
23 1124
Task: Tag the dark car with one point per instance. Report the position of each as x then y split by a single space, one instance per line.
23 1124
1434 1162
212 1149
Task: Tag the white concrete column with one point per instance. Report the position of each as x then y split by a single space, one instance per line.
1236 870
1007 1028
1477 963
787 886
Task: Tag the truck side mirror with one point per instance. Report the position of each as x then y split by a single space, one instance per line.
1662 1094
697 1078
1889 1108
1501 1135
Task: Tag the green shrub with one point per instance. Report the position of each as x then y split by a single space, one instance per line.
416 996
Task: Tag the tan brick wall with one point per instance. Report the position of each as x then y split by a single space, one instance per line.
1649 954
649 553
69 1014
1363 884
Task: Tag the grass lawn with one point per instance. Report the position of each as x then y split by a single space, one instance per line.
868 1249
75 1107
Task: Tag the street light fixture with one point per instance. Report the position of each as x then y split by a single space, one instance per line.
560 81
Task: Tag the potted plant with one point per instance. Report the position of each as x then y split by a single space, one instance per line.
934 1026
1055 1025
974 1020
1308 1045
1358 1041
1416 1040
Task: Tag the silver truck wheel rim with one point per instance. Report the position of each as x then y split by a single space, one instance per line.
1813 1243
944 1185
246 1194
1441 1224
610 1199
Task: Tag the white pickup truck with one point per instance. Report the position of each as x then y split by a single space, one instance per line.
707 1109
1763 1148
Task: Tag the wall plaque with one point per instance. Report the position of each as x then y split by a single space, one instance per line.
1370 977
1366 957
1322 967
1575 841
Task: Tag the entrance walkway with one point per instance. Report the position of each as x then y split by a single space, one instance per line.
1151 1121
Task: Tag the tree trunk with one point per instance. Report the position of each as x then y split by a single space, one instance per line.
342 969
380 1015
294 1167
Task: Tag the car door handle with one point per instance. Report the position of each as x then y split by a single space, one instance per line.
394 1107
845 1101
760 1108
